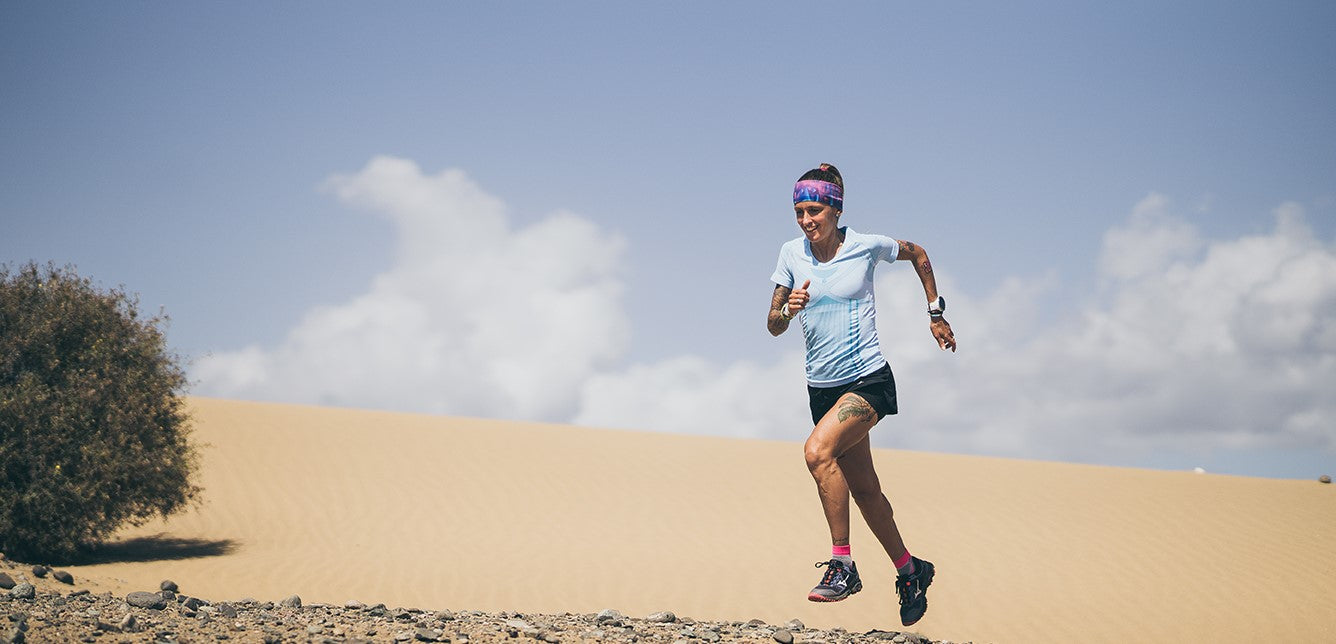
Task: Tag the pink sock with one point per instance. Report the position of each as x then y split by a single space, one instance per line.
905 564
841 554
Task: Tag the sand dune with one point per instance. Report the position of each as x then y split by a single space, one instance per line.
433 512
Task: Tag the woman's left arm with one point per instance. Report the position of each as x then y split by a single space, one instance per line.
941 329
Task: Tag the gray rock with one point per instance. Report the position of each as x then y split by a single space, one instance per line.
129 624
168 584
6 582
353 604
427 635
517 624
1324 479
192 603
444 615
795 625
663 617
227 610
608 615
783 636
63 577
142 599
107 628
292 601
23 590
40 571
170 596
14 632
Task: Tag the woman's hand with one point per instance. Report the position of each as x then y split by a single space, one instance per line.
941 330
799 298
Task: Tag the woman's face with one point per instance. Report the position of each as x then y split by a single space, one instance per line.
819 221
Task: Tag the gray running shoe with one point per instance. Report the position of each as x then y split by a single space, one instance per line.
838 582
913 591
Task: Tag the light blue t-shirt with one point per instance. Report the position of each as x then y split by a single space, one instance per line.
840 320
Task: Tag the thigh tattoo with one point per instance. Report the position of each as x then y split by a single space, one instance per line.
853 406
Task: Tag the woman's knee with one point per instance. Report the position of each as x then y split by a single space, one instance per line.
818 454
865 493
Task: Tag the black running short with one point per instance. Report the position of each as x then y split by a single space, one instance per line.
877 388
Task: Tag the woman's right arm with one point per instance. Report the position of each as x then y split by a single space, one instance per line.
796 301
776 322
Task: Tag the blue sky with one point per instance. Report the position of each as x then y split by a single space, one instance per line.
245 167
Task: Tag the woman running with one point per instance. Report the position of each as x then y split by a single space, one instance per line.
824 278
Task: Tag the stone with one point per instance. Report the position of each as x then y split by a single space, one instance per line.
353 604
192 603
40 571
427 635
141 599
315 629
227 610
444 615
168 584
6 582
292 601
783 636
23 590
129 624
608 615
756 622
63 577
795 625
1324 479
663 617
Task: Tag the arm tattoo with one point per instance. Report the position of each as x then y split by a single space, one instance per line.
926 266
775 323
855 407
908 245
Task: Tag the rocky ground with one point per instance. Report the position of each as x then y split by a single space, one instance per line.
42 605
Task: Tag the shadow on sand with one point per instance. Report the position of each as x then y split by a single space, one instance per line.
158 547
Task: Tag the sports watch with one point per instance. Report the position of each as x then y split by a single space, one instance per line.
937 307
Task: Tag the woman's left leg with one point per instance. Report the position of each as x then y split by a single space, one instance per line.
865 488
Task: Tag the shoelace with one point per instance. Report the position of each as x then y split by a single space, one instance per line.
906 590
833 568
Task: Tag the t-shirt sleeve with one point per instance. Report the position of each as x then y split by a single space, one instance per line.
783 275
885 248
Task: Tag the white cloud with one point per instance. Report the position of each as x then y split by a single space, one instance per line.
693 395
1188 343
475 318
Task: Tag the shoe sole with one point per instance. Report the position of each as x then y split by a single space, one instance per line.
932 572
813 597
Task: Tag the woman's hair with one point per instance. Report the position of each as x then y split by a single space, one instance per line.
825 172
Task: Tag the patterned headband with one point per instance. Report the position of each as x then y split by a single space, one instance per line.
819 191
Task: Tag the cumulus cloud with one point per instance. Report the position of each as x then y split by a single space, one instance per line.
476 317
1188 343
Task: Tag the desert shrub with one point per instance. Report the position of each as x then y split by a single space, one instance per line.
93 429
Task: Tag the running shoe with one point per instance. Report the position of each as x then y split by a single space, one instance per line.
913 591
838 582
